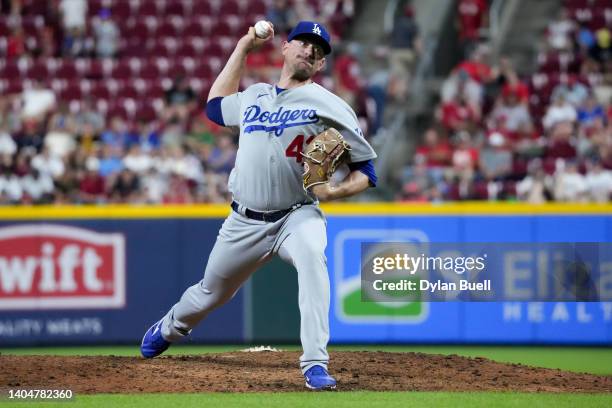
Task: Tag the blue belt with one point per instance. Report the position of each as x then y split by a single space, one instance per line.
272 216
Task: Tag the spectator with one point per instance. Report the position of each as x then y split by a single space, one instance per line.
599 182
512 83
48 164
16 45
74 14
513 114
37 187
537 187
585 39
48 42
60 139
178 191
575 91
154 186
66 188
107 35
460 82
11 191
7 144
116 135
404 43
477 67
560 111
559 31
458 115
110 163
472 16
495 159
347 74
602 50
337 14
223 156
570 185
560 143
88 114
465 159
125 188
92 187
75 44
180 100
37 101
137 161
589 111
31 137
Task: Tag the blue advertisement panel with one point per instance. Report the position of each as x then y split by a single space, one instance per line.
104 281
460 322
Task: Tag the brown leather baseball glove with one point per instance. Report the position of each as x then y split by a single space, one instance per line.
322 157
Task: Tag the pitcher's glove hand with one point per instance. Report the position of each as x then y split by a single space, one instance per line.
322 157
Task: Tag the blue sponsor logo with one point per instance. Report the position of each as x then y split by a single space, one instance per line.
277 121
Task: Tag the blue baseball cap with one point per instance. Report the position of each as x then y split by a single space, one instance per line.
314 31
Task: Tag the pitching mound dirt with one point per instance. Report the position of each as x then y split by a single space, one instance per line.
277 371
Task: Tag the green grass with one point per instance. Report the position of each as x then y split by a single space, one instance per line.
578 359
337 400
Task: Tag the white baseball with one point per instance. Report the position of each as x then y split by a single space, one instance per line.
263 29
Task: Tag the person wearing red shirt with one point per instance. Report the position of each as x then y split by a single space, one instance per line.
435 151
458 115
472 15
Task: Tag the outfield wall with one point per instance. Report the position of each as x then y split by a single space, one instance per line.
80 275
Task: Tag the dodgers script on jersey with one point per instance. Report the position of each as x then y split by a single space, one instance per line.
274 128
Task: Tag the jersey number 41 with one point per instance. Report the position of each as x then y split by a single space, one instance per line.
296 147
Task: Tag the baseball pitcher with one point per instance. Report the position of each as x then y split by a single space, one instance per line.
293 135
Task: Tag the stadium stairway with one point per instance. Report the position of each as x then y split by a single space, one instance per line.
528 23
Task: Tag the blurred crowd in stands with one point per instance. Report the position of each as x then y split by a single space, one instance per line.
102 101
543 137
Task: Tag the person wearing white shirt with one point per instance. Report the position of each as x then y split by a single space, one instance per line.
599 183
559 111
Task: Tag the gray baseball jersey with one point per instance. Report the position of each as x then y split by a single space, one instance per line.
274 128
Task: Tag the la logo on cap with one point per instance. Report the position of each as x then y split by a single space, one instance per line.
316 29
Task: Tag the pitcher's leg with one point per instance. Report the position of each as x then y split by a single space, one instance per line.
236 255
303 245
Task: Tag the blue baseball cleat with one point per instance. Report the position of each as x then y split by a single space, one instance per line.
153 344
317 378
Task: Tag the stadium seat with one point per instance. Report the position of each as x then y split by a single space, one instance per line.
122 70
228 7
100 91
201 8
222 28
202 71
194 29
148 8
72 92
121 10
66 70
174 8
166 29
128 91
38 70
146 112
149 71
186 51
154 91
257 7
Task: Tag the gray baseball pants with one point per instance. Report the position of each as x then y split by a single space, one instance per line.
242 246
